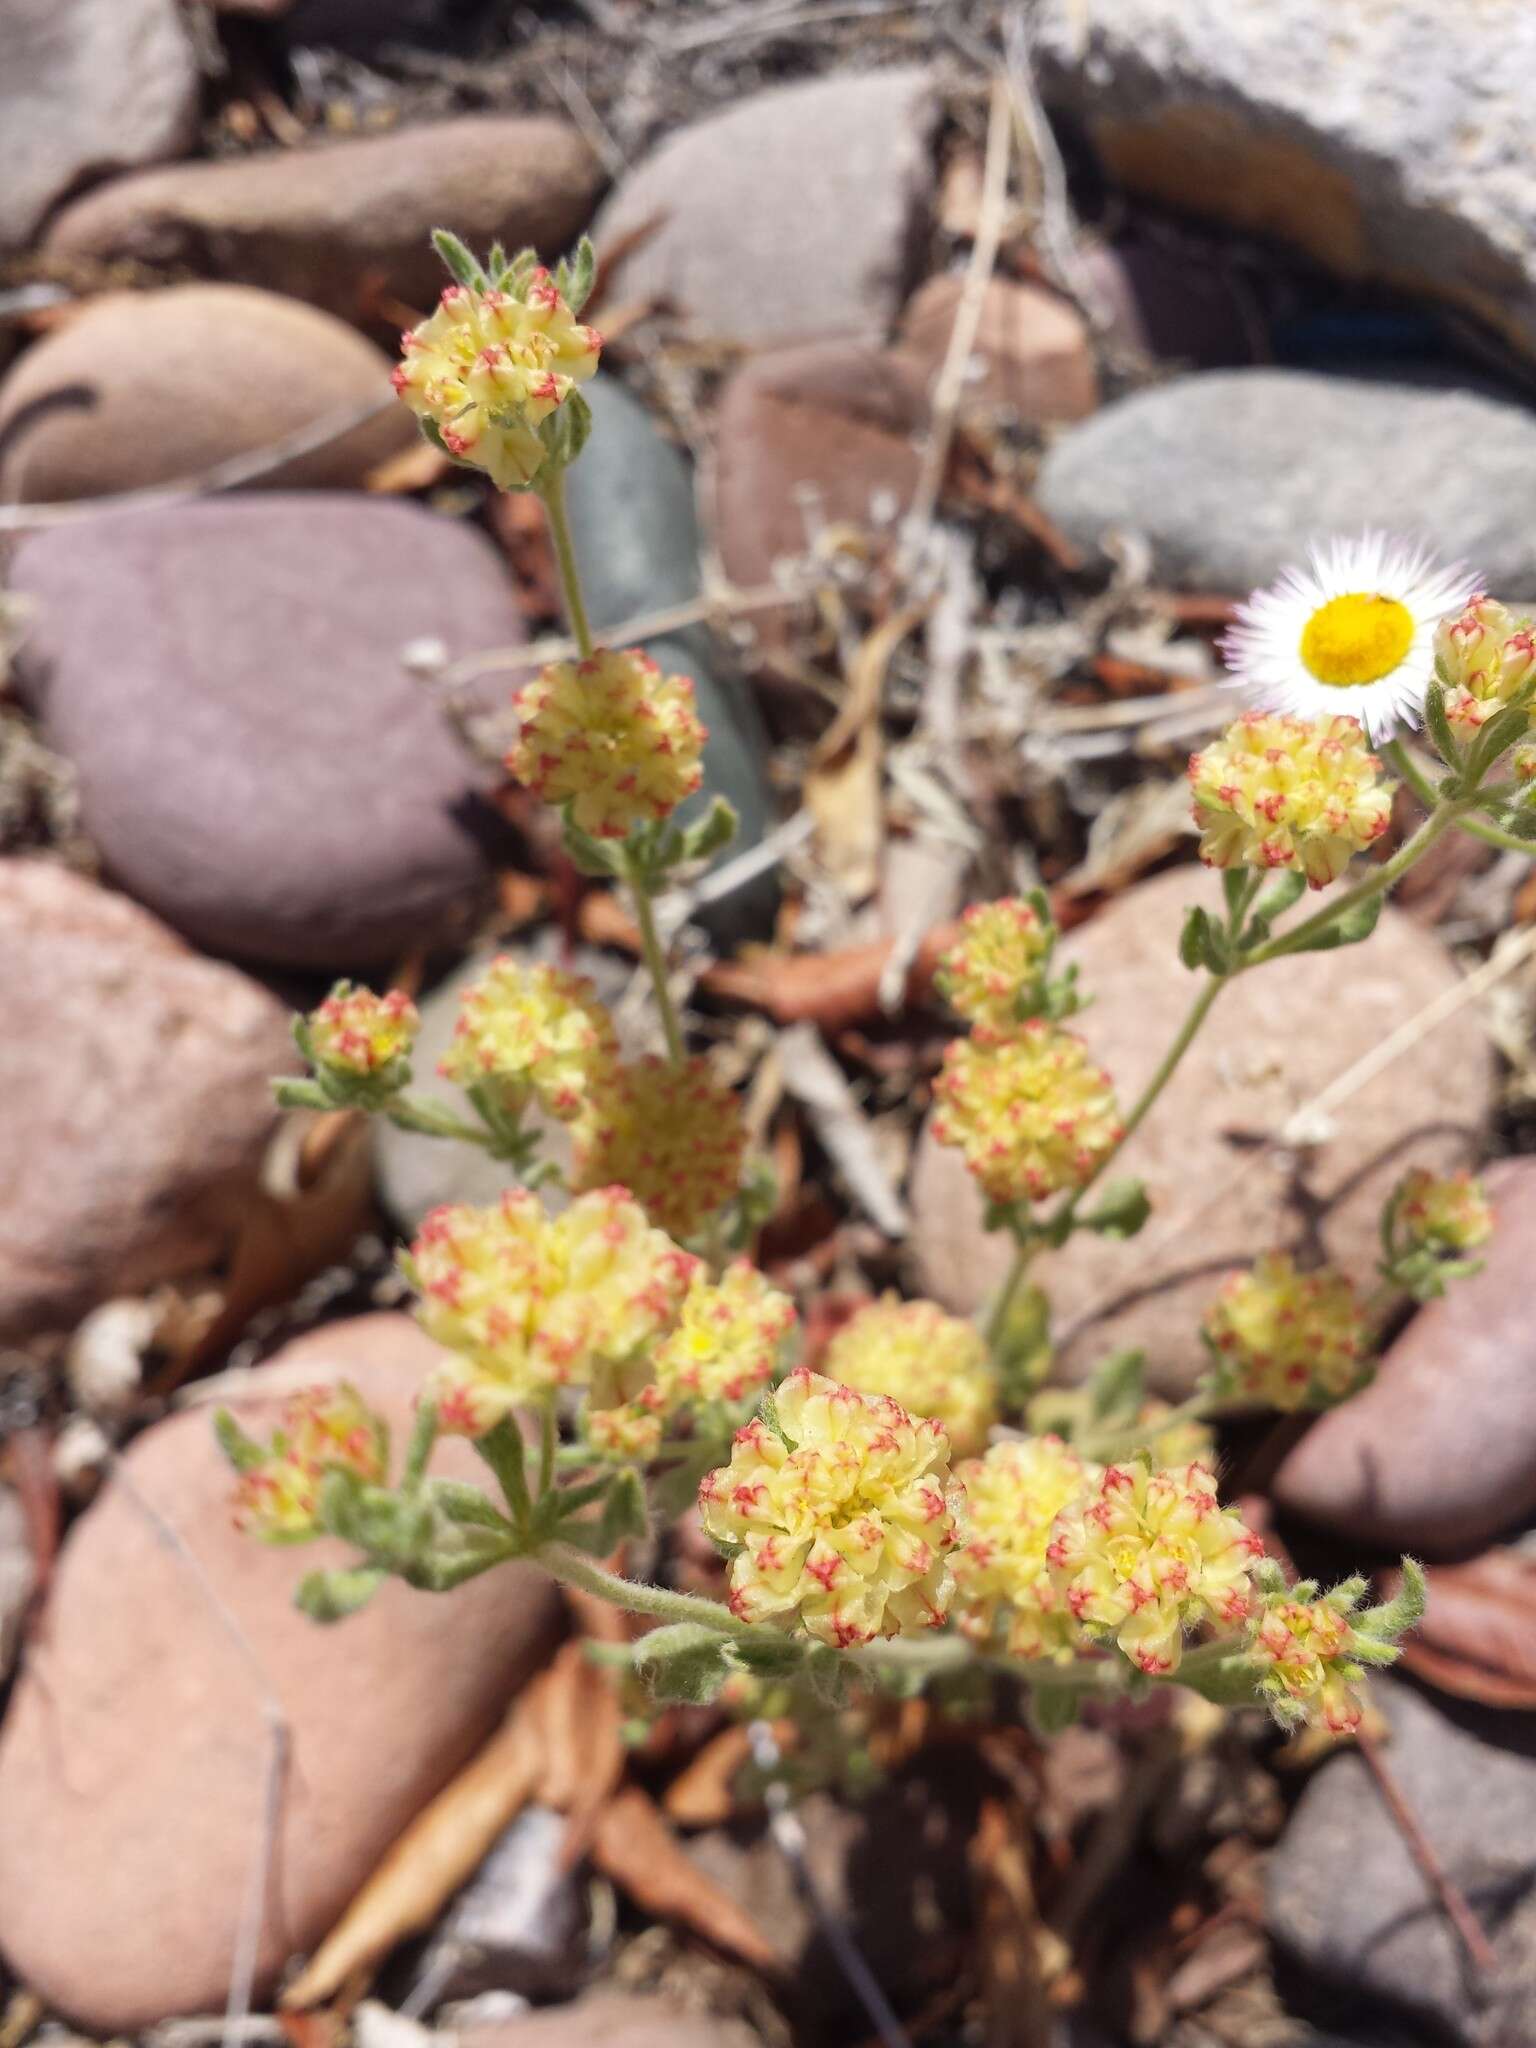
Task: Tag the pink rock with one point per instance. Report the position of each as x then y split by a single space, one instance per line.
1033 358
1438 1455
134 1760
135 1097
157 386
1276 1038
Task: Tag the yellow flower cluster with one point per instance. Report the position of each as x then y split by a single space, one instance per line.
1305 1650
611 736
998 957
1483 656
1028 1108
1005 1595
356 1033
527 1303
839 1514
1145 1555
1279 792
488 366
721 1352
1288 1338
532 1033
932 1363
1443 1213
670 1134
322 1429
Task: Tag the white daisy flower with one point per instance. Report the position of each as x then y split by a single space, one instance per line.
1352 632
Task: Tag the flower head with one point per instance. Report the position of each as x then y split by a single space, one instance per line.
611 736
1484 654
532 1032
1306 1653
1442 1212
357 1035
489 365
933 1363
1144 1555
839 1513
1291 1339
1352 633
527 1302
1005 1595
1028 1108
999 956
322 1429
1276 792
670 1134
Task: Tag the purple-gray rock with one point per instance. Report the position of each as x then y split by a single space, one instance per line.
255 760
1438 1455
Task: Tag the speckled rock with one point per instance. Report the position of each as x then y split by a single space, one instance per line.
256 762
149 387
86 89
1276 1037
1232 473
346 224
1439 1453
135 1755
796 213
1402 158
135 1098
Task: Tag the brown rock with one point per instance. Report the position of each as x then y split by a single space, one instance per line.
1033 358
149 387
134 1097
1439 1453
611 2020
134 1759
346 225
834 419
1276 1037
85 89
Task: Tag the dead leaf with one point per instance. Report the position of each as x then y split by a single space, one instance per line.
560 1743
1013 1940
633 1845
412 469
701 1796
843 783
1478 1636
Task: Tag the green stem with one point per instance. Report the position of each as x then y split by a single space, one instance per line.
1475 828
547 1439
552 491
1447 812
997 1321
656 967
435 1120
1112 1444
572 1568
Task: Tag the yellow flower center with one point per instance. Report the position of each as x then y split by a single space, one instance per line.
1356 639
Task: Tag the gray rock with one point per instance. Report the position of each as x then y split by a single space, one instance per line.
611 2020
418 1173
135 1755
255 761
1350 1908
637 546
1230 474
147 388
1388 142
346 225
1277 1036
135 1098
1438 1455
796 214
93 87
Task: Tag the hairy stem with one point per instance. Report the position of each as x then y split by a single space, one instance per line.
573 1568
656 967
1402 760
552 491
1448 812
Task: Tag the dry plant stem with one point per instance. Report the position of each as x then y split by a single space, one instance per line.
1452 1899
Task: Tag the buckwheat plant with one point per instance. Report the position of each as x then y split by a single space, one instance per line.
914 1508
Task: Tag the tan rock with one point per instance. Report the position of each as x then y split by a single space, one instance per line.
1276 1038
1033 358
150 387
135 1097
135 1758
346 225
1439 1453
